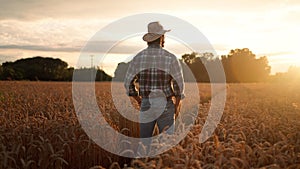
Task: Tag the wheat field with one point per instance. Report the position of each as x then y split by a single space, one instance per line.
260 128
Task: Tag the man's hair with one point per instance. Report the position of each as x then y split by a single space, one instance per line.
156 41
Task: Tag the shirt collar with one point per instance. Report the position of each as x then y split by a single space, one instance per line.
154 46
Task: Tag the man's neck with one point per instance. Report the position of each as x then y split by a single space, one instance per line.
154 46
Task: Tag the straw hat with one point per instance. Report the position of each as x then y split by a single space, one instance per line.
155 30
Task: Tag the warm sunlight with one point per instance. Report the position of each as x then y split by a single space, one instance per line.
95 84
269 29
284 61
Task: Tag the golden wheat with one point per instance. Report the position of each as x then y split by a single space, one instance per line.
260 128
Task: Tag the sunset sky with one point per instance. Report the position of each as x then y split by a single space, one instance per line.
59 29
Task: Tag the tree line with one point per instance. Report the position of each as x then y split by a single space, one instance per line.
292 75
47 69
240 66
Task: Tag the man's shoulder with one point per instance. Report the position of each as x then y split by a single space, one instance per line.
139 54
161 51
169 54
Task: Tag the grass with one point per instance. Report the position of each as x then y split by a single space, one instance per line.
260 127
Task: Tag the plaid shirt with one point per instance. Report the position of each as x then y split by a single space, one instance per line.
153 69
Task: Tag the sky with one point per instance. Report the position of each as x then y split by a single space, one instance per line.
60 29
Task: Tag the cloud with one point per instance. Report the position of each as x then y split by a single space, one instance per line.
40 48
37 9
92 47
55 26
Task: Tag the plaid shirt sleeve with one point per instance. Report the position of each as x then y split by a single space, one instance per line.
130 79
177 79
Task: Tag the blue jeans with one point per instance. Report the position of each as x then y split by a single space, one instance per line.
156 110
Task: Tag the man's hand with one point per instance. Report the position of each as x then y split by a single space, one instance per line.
138 99
177 106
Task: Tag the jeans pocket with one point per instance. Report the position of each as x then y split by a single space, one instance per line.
145 105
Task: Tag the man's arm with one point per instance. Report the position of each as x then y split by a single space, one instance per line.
177 79
133 92
178 84
177 105
129 82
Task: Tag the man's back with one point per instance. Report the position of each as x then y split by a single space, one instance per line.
155 69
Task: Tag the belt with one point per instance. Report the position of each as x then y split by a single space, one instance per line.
156 95
167 98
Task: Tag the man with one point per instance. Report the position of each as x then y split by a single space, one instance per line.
159 75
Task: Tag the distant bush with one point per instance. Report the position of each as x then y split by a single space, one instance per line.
45 69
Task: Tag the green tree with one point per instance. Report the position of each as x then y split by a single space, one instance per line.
196 63
102 76
189 58
1 72
91 74
241 65
68 74
36 68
